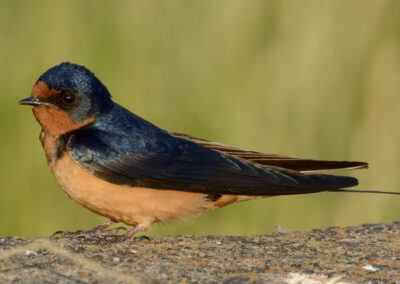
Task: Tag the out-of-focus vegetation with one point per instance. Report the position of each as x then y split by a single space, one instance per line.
317 79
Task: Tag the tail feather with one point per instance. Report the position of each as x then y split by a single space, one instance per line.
307 166
363 191
329 181
307 172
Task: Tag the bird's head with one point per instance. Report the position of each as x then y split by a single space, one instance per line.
67 97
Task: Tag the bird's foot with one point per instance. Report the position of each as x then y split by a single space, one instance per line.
62 234
114 231
131 232
58 234
101 230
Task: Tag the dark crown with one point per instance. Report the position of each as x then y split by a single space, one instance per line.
69 76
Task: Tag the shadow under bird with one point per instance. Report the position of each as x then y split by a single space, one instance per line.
124 168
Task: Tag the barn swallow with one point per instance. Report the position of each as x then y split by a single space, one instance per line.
123 167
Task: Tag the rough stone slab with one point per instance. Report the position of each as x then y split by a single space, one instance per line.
362 254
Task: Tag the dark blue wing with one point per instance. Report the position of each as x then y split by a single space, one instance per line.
167 162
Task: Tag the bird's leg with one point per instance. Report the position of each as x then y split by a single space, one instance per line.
101 229
131 232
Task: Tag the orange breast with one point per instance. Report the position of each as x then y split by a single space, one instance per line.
130 205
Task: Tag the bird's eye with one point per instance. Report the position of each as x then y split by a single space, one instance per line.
68 99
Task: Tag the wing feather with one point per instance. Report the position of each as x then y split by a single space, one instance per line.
162 161
305 166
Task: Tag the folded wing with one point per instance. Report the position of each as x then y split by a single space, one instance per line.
305 166
164 161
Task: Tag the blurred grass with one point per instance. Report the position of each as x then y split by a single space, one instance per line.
317 79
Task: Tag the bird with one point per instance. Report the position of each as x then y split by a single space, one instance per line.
128 170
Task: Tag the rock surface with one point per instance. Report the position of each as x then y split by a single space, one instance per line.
362 254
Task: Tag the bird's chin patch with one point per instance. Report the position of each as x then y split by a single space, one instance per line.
42 91
56 121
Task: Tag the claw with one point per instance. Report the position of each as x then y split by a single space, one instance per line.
57 234
131 232
61 234
99 230
114 231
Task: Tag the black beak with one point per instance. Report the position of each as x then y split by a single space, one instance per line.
30 101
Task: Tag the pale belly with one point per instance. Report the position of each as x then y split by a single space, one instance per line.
130 205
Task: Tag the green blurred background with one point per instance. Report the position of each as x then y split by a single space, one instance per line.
316 79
